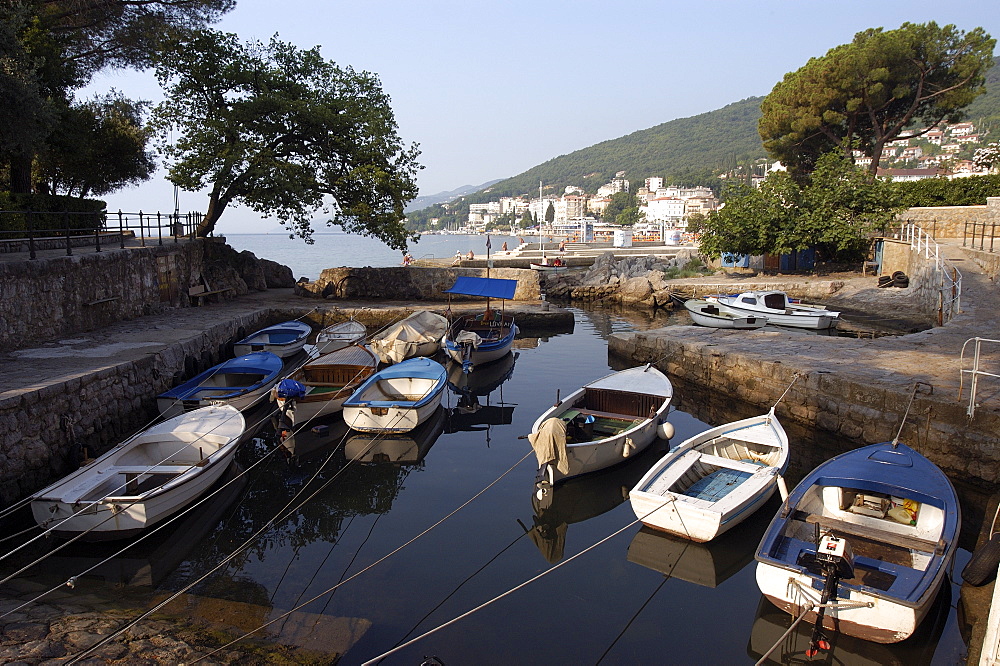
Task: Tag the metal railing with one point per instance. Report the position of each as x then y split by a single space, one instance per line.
71 229
986 242
950 286
976 371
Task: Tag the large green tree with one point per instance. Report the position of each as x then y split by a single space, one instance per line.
51 48
837 211
286 133
884 85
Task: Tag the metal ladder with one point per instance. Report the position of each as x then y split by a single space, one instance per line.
975 371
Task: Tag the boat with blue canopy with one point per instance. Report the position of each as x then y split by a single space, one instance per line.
484 337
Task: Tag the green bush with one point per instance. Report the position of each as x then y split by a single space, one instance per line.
693 268
971 191
48 212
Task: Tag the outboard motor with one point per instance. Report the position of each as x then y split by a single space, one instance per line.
834 560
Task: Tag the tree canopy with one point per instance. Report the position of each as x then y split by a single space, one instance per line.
286 133
837 211
884 85
51 48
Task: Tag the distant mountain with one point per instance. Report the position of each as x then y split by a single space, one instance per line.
444 197
985 109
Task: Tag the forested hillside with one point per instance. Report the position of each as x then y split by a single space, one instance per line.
985 110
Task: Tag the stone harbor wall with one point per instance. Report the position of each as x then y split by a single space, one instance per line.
410 283
53 297
950 221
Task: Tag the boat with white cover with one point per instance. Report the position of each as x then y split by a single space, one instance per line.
600 424
714 480
418 335
338 336
321 386
145 479
398 398
284 339
776 306
863 543
707 313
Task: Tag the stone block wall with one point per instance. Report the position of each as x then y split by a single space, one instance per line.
411 283
950 221
44 430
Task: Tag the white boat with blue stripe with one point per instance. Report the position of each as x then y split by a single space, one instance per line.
474 339
714 480
284 339
398 398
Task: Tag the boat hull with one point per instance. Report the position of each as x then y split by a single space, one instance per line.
283 340
338 336
701 313
395 419
784 314
489 348
170 407
397 399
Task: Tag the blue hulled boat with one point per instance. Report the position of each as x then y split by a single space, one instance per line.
284 339
237 382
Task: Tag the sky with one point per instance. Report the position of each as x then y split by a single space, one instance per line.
490 89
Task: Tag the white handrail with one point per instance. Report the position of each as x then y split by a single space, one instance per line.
976 373
951 277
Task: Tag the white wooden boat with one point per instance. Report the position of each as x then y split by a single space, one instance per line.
863 543
778 309
144 480
548 268
284 339
321 386
338 336
239 382
418 335
398 398
600 424
714 480
484 337
706 313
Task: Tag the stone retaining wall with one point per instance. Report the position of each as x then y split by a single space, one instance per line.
43 431
950 221
411 283
855 407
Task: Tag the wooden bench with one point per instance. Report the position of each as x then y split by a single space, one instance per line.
609 415
200 292
875 534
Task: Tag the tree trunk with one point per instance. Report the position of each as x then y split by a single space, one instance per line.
212 215
20 174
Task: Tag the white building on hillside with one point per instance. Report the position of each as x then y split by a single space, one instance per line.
664 209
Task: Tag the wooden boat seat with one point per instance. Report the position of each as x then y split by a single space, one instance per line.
875 534
729 463
606 415
154 469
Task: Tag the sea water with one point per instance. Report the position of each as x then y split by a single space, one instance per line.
331 250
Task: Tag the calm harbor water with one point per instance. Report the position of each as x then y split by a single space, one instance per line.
339 249
638 598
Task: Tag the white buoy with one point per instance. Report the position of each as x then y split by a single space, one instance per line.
665 430
782 488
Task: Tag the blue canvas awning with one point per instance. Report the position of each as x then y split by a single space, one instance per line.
485 287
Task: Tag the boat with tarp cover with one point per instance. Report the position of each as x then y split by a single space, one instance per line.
474 339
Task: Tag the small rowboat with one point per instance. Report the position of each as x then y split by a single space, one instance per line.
338 336
144 480
475 339
321 386
398 398
600 424
239 382
284 340
863 543
778 309
706 313
714 480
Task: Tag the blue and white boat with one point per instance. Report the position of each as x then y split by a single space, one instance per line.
284 339
238 382
863 543
474 339
714 480
398 398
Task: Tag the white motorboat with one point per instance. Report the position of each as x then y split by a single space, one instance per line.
600 424
144 480
418 335
398 398
776 306
707 313
714 480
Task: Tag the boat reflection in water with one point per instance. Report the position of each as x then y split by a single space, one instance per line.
584 497
150 559
707 564
470 414
408 448
315 439
770 623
